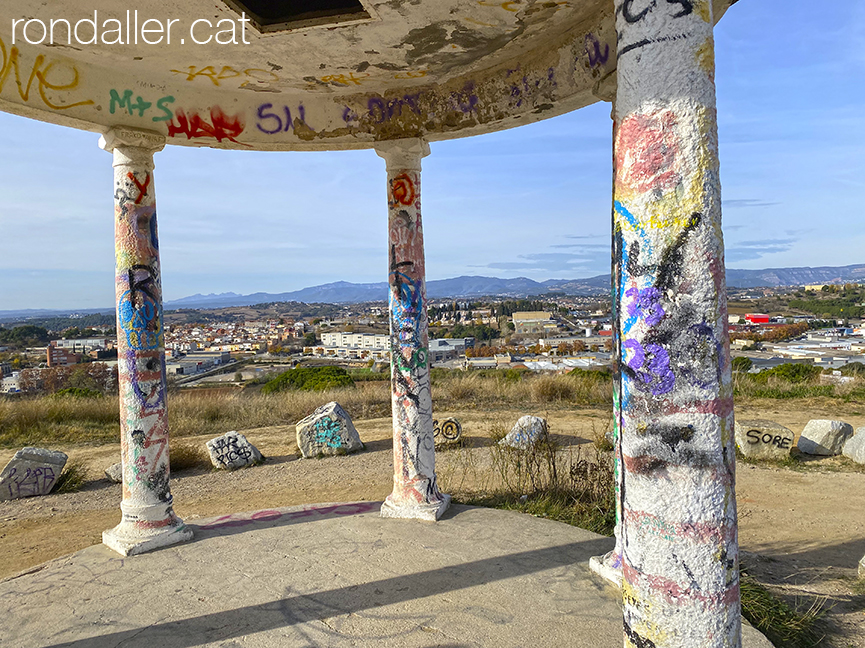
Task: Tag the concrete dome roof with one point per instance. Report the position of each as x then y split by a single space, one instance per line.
328 74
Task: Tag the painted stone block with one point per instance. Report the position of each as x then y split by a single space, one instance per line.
527 431
762 439
31 472
114 472
824 437
327 431
232 451
854 447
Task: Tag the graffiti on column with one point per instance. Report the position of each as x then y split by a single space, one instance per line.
414 449
141 366
674 396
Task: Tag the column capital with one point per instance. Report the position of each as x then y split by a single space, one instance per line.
132 146
403 153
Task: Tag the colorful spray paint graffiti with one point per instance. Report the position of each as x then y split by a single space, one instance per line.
216 124
148 518
676 473
53 94
415 493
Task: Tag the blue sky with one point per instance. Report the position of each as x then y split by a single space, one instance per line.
532 201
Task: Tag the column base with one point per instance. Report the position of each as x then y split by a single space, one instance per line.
146 527
429 511
128 540
608 567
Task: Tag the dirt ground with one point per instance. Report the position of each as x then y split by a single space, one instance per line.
802 532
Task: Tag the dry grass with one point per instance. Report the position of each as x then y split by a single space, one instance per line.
185 455
547 480
73 477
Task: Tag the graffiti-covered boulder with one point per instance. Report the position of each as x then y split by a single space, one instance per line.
762 439
824 437
327 431
114 472
854 447
31 472
232 451
527 431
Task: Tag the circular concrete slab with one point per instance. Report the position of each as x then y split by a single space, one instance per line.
327 575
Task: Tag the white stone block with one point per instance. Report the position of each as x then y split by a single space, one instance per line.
114 472
31 472
232 451
327 431
762 439
527 431
854 447
824 437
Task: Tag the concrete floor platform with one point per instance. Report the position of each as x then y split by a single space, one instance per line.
326 575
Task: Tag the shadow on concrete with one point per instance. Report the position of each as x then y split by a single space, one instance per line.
246 522
299 608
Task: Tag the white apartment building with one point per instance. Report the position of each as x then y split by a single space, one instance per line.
367 341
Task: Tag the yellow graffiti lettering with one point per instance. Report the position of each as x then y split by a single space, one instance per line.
39 72
342 79
256 75
227 72
478 22
259 76
410 74
507 6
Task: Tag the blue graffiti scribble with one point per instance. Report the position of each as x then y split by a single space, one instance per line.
328 432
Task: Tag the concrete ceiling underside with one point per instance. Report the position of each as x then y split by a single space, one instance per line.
329 74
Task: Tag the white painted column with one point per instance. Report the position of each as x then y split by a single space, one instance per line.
415 492
148 518
678 507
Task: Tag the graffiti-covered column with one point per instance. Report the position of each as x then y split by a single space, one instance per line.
678 527
609 565
148 519
415 492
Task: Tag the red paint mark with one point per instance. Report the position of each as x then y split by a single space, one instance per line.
227 521
142 188
219 125
673 593
699 532
647 150
154 524
402 189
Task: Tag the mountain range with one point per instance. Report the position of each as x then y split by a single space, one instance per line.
473 287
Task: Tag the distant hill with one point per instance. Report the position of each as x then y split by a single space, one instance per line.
795 276
345 292
473 286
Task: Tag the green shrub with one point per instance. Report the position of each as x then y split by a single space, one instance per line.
742 364
77 392
309 379
853 369
792 372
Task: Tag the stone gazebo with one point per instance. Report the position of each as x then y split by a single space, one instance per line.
395 75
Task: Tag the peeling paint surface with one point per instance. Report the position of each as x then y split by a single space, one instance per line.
678 533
